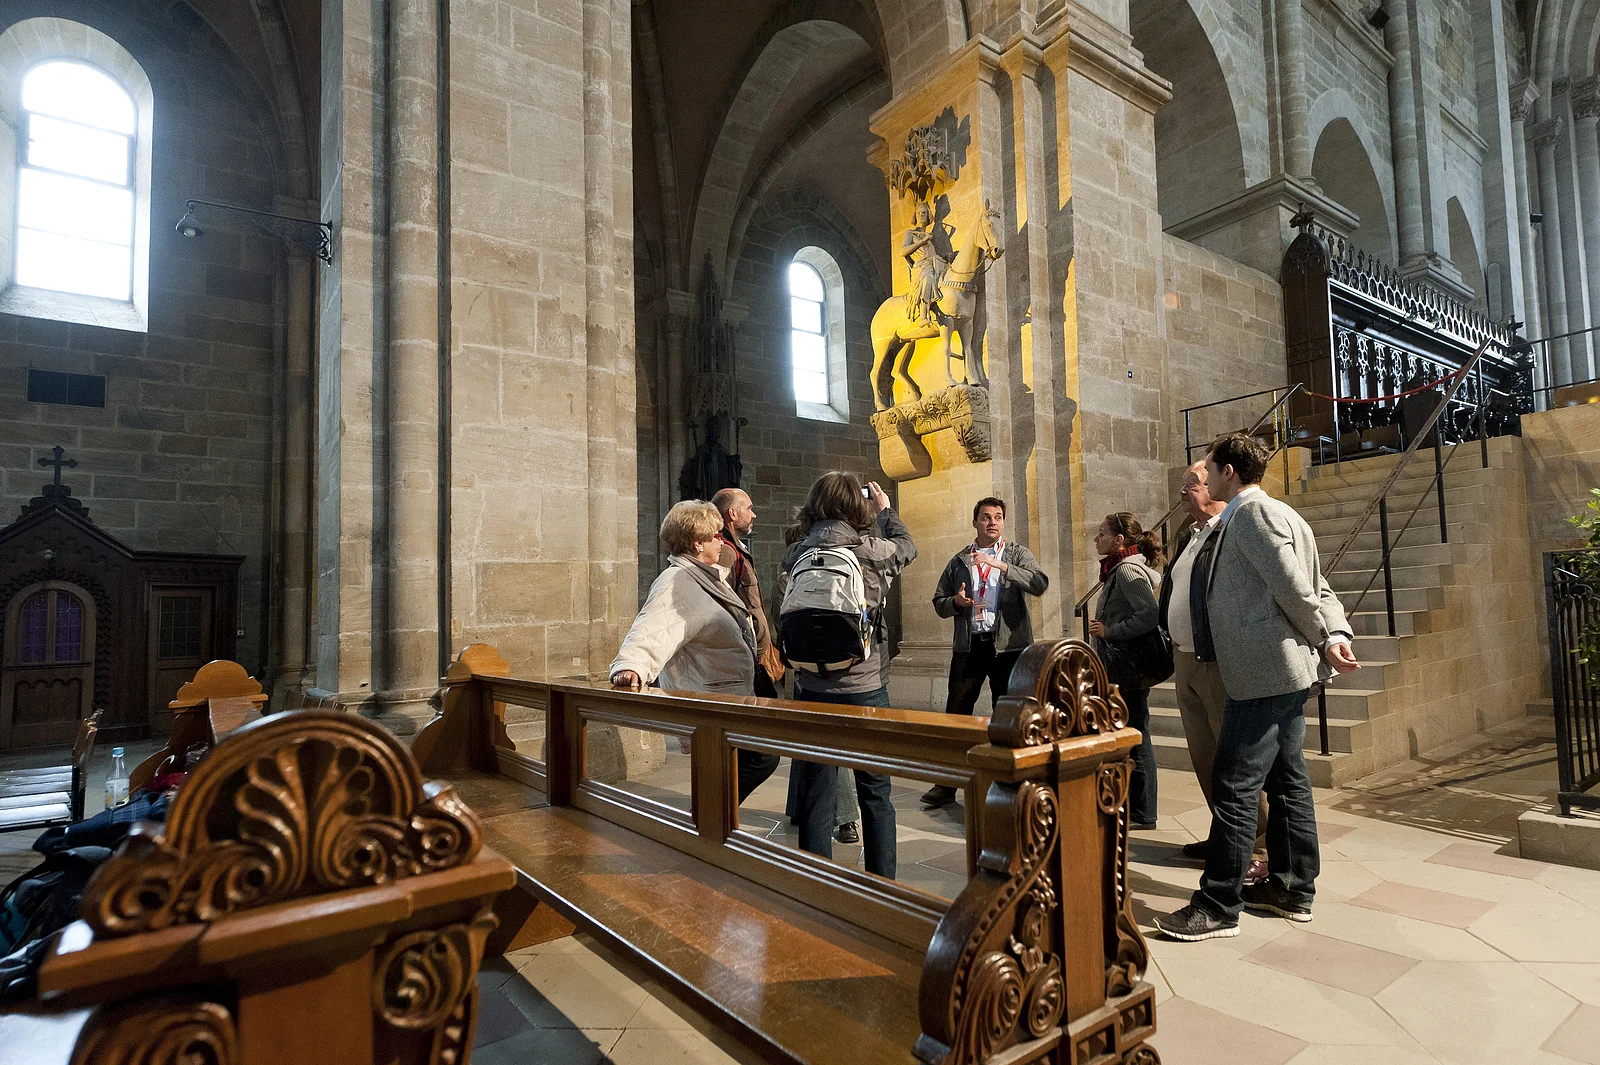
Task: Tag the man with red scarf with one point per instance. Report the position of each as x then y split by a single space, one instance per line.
982 588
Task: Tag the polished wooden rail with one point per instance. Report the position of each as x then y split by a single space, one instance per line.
1038 958
309 898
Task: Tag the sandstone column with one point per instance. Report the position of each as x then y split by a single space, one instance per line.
1543 136
296 649
1586 152
1504 218
1573 253
1290 53
409 672
1522 97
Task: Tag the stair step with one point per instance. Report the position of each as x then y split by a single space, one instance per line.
1408 554
1542 708
1345 704
1349 503
1345 735
1353 579
1456 515
1370 622
1409 599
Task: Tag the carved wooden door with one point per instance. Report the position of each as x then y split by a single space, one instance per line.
180 643
47 681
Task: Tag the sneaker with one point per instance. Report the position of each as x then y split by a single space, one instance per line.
1196 849
939 795
1142 826
849 832
1268 896
1192 924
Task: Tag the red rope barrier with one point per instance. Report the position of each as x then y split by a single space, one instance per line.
1399 395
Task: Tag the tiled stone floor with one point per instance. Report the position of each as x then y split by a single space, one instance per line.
1432 943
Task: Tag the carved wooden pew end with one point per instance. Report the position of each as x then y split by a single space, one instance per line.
310 898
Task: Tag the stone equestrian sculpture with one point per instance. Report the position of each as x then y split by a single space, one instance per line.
895 333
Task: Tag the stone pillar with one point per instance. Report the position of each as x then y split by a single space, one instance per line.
353 104
409 553
1418 153
296 649
1521 102
1586 153
939 471
1290 53
1543 136
1574 256
1504 218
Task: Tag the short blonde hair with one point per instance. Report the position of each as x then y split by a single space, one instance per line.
694 521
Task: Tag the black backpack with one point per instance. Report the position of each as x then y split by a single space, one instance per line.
36 905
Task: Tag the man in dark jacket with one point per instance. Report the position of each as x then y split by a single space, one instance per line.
982 588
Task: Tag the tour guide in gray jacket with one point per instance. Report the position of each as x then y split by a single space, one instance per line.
1263 609
982 587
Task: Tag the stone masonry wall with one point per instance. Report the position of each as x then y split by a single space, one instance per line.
1224 338
179 457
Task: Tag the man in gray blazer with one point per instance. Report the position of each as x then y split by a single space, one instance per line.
1274 627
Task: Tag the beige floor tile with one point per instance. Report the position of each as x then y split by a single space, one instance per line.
584 989
1423 904
1485 859
645 1046
1581 980
1411 1054
1190 1034
1325 960
1496 887
1400 935
1378 841
1497 1004
1341 880
1578 1037
654 1013
1301 1008
1492 1055
1559 931
1580 885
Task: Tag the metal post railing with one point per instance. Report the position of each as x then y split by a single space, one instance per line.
1322 716
1438 473
1388 579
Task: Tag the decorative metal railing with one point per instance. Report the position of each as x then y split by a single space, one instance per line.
1572 608
1376 351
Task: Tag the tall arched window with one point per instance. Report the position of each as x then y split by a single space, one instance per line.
816 337
75 243
75 182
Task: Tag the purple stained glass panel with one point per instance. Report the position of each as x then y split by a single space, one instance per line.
32 627
69 627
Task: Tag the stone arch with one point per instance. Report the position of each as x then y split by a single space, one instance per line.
1464 252
1342 163
1200 156
759 94
920 33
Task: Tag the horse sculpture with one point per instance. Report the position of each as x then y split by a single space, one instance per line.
894 335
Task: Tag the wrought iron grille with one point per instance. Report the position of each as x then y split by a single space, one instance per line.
1572 605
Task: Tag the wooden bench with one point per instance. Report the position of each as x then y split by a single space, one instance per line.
309 899
220 699
801 960
49 795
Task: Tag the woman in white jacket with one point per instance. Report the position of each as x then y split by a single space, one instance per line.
693 634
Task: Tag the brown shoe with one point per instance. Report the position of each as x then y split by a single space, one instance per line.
1197 849
1257 871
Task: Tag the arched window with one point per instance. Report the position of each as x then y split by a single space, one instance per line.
77 242
75 182
816 337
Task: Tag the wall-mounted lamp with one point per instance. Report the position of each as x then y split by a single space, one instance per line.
1536 218
303 234
1377 17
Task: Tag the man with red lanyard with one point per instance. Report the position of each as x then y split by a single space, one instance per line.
982 588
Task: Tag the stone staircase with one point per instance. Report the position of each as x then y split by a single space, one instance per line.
1452 602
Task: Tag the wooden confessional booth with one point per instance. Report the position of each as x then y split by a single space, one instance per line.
87 623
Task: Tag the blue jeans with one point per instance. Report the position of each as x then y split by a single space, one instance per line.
819 795
1260 746
1142 788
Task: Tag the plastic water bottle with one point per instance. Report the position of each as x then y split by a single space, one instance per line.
117 781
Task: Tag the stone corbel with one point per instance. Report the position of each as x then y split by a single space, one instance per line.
964 409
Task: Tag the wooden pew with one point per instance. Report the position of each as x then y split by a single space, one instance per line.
803 961
309 899
49 795
221 698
